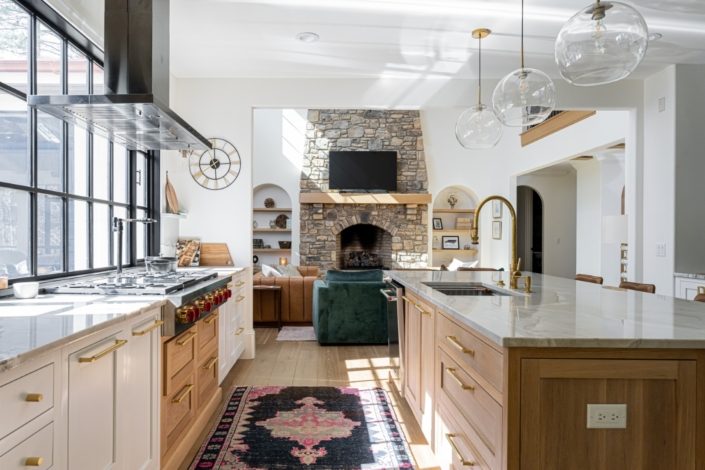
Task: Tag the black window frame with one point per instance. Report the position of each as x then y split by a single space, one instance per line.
40 12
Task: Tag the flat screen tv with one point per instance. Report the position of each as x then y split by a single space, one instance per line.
363 170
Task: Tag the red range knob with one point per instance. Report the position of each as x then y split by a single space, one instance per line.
208 307
228 293
218 298
193 314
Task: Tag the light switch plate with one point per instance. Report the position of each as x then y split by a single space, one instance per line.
607 416
661 250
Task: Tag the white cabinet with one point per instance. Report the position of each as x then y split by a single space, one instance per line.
687 287
232 324
112 393
95 384
140 425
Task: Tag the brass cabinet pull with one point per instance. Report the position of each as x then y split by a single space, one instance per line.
454 341
423 312
34 397
156 324
407 299
211 363
239 298
451 371
182 394
186 339
33 461
117 345
239 331
239 283
211 319
463 460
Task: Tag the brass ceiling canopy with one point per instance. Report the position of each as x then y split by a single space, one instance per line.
481 33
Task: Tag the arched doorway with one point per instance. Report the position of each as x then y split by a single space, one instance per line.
530 229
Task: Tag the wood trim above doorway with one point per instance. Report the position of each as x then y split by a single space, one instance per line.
553 125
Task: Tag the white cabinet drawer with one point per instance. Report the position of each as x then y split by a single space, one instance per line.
26 398
35 452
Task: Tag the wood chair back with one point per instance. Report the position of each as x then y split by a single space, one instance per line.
589 278
477 269
637 286
701 295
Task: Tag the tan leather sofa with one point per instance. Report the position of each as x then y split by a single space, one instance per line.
296 297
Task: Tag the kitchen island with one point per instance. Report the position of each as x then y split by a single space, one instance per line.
100 380
503 381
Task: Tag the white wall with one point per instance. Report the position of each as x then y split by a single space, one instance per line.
224 108
277 158
610 193
588 229
659 179
558 194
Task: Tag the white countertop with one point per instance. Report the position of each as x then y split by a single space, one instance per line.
566 313
30 327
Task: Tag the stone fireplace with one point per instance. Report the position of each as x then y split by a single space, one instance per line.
364 246
364 235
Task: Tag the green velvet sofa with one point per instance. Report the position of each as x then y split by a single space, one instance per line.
348 308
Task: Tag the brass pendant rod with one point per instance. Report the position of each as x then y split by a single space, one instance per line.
522 34
479 71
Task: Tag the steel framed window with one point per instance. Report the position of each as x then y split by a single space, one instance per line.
53 201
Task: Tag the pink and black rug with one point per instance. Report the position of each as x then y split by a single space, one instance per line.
305 427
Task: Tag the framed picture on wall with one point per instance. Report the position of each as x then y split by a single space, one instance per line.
450 242
497 209
497 229
437 223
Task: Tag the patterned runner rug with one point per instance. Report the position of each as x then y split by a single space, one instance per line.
305 427
297 333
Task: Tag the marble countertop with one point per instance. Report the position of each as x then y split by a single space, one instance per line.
566 313
690 275
31 327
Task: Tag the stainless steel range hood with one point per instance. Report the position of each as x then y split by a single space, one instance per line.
135 109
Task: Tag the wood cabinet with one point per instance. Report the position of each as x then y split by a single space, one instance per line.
661 414
419 354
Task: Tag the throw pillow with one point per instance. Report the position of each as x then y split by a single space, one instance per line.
456 263
269 271
367 275
289 271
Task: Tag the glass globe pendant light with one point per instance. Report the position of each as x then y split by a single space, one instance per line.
526 96
602 43
477 127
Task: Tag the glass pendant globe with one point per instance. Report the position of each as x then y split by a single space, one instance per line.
601 44
523 98
478 128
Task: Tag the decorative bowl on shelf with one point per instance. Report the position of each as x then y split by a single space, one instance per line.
285 244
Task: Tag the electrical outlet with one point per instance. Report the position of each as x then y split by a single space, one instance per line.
601 416
662 104
661 250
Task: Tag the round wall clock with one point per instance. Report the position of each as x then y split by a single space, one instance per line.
216 168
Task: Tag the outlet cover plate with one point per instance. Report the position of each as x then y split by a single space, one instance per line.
607 416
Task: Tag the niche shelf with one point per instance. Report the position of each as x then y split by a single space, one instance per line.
463 209
263 216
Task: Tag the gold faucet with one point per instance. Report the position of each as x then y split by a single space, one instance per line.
514 273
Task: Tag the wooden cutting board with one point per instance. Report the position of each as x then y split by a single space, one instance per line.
215 254
172 202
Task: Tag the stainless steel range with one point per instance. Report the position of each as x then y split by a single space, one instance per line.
191 294
137 283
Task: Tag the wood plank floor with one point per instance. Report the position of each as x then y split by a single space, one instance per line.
308 363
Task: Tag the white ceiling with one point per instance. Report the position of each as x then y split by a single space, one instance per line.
407 38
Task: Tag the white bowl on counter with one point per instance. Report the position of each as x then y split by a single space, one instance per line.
25 290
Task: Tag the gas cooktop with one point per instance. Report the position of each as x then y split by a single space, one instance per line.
137 283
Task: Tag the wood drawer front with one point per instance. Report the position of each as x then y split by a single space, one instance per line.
419 303
471 352
207 378
38 447
180 354
476 406
25 398
180 409
449 433
208 331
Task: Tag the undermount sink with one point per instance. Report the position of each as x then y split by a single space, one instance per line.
465 288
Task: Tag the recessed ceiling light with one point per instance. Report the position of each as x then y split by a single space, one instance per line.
308 37
655 36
